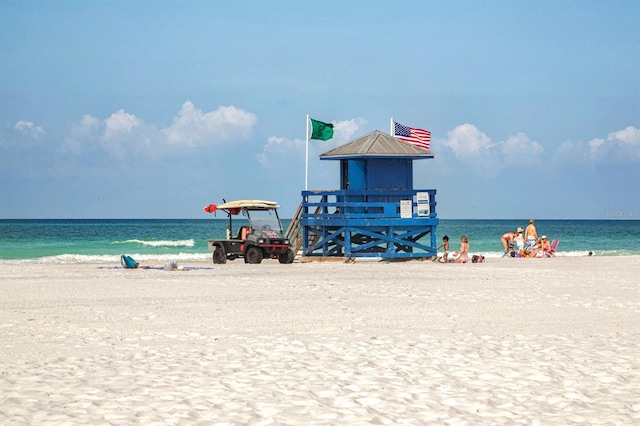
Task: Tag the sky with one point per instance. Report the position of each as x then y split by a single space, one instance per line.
155 109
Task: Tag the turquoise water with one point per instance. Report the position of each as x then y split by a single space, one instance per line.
104 240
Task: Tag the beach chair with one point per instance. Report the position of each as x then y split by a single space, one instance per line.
554 248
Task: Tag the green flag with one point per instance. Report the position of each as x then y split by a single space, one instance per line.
320 130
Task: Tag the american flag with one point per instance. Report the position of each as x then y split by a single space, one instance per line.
418 137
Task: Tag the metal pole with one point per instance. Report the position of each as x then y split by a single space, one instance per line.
306 164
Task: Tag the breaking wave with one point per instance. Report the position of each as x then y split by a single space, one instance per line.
160 243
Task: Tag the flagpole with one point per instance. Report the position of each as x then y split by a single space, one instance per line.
391 128
306 164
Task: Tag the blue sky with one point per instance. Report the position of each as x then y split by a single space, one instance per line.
154 109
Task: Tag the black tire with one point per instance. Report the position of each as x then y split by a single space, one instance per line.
286 257
219 255
253 255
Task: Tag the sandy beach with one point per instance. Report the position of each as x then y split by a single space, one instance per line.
510 341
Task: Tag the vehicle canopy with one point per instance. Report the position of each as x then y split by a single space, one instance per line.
234 207
262 214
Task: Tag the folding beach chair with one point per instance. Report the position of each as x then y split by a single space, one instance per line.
554 248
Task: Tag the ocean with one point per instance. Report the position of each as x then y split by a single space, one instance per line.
102 241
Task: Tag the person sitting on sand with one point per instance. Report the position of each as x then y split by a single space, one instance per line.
445 247
462 255
542 248
546 246
508 239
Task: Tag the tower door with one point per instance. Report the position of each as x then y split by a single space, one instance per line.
353 175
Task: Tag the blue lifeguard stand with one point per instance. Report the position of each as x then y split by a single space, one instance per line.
376 212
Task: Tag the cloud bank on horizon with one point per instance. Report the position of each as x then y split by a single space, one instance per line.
122 138
192 130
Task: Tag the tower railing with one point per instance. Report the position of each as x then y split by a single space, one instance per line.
366 204
366 223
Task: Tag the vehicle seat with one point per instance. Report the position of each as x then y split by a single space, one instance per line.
243 232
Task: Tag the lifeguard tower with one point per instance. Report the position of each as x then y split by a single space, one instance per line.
376 212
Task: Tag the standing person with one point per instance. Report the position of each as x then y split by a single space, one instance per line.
531 234
462 255
508 239
445 248
533 250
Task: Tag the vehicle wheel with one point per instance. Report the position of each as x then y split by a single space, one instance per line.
286 257
253 255
219 255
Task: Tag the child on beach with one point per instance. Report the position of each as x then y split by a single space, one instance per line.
445 247
462 255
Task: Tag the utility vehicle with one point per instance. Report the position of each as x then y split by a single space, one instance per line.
263 238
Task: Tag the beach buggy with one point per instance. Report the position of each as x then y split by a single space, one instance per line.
261 238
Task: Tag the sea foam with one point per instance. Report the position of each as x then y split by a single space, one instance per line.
160 243
111 259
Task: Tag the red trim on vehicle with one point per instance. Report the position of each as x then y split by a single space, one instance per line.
274 246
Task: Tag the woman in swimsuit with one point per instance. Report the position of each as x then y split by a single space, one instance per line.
542 248
507 240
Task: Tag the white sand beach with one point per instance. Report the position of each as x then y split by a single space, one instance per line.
510 341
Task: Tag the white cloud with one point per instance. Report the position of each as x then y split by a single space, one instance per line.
594 144
21 134
519 150
279 147
122 133
278 151
29 129
478 151
193 127
467 142
620 147
110 135
89 121
118 124
474 149
344 131
82 135
629 135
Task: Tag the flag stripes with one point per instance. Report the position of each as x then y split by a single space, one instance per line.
418 137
